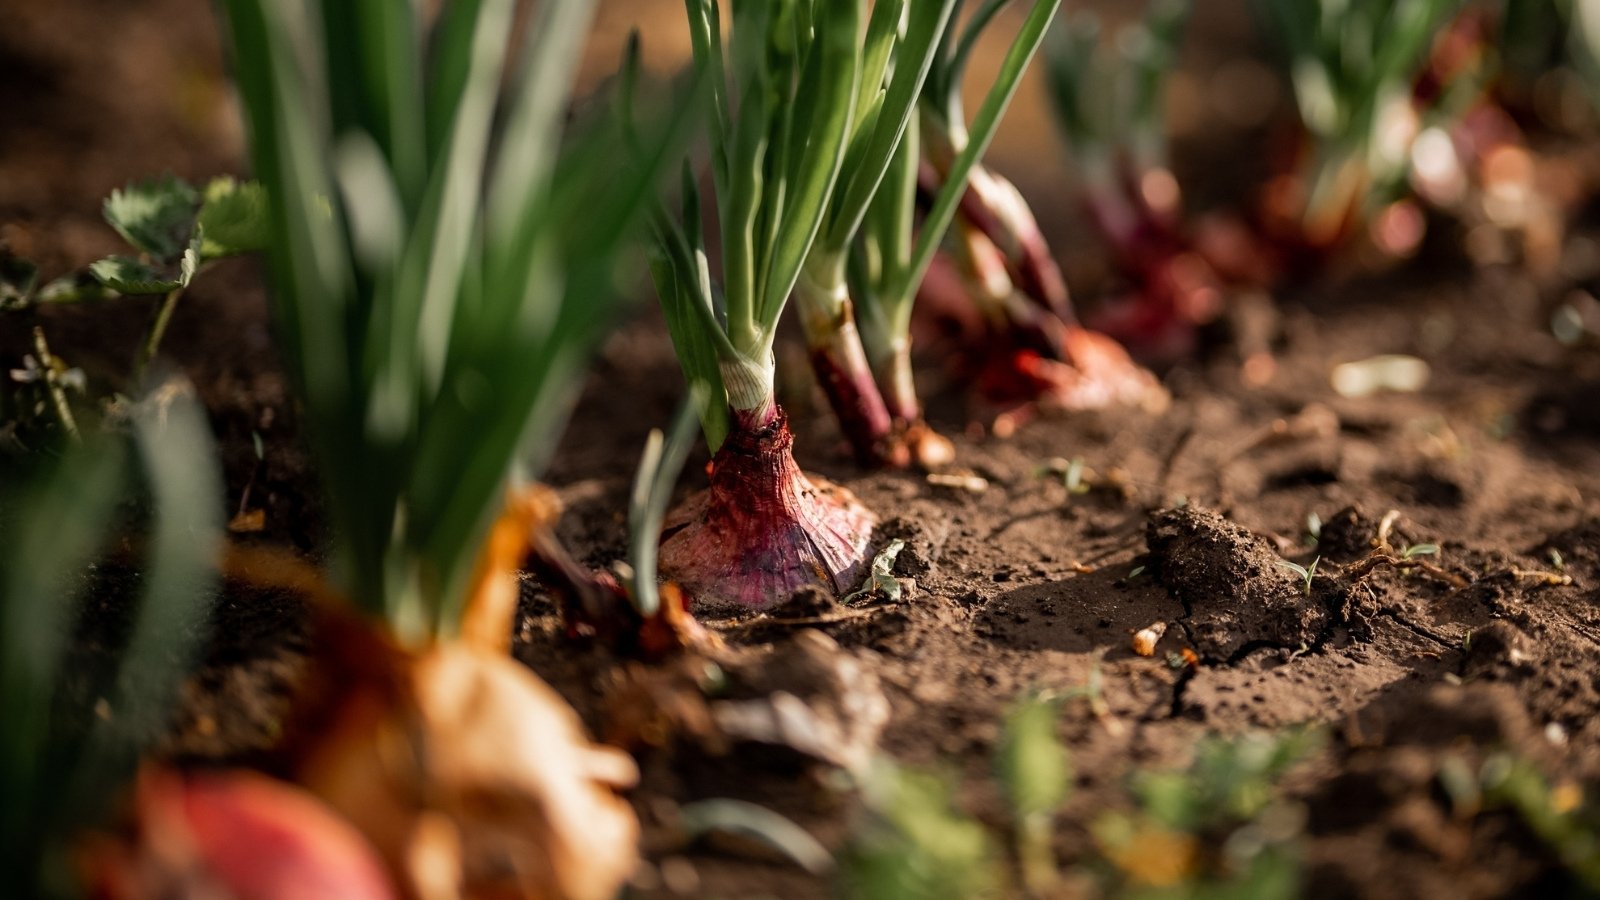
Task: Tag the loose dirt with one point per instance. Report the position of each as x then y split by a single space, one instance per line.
1023 584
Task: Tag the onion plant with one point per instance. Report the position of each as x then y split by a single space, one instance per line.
892 59
438 285
1109 95
1033 347
61 765
443 264
794 172
784 97
1353 64
894 251
812 99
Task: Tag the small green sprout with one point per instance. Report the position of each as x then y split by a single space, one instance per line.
1135 572
1416 550
176 230
659 467
1557 562
1556 814
1072 479
1034 769
914 842
1228 795
1314 527
722 814
1074 473
1307 573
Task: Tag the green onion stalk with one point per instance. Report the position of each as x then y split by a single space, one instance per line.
810 114
895 55
1353 65
444 260
881 275
1108 96
62 767
893 253
784 99
998 259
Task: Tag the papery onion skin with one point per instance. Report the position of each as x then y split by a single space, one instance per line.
764 529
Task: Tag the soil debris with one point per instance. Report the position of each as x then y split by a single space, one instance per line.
1347 535
1237 591
1498 650
811 696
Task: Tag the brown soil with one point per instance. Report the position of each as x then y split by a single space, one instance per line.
1023 584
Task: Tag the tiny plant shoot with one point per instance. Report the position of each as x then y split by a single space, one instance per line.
176 230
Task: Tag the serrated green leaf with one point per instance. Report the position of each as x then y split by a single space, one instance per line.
76 287
127 275
157 216
235 218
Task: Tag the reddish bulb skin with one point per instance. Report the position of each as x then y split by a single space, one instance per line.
855 399
235 834
763 529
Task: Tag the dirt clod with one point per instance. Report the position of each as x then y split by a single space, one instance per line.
1238 593
1347 535
1498 649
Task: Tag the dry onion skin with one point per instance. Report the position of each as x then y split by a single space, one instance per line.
474 778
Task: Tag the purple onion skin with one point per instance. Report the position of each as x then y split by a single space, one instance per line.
763 529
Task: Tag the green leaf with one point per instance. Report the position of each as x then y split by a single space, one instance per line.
914 57
915 843
235 218
1031 759
127 275
817 167
76 287
981 133
130 276
659 467
374 80
156 216
539 103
